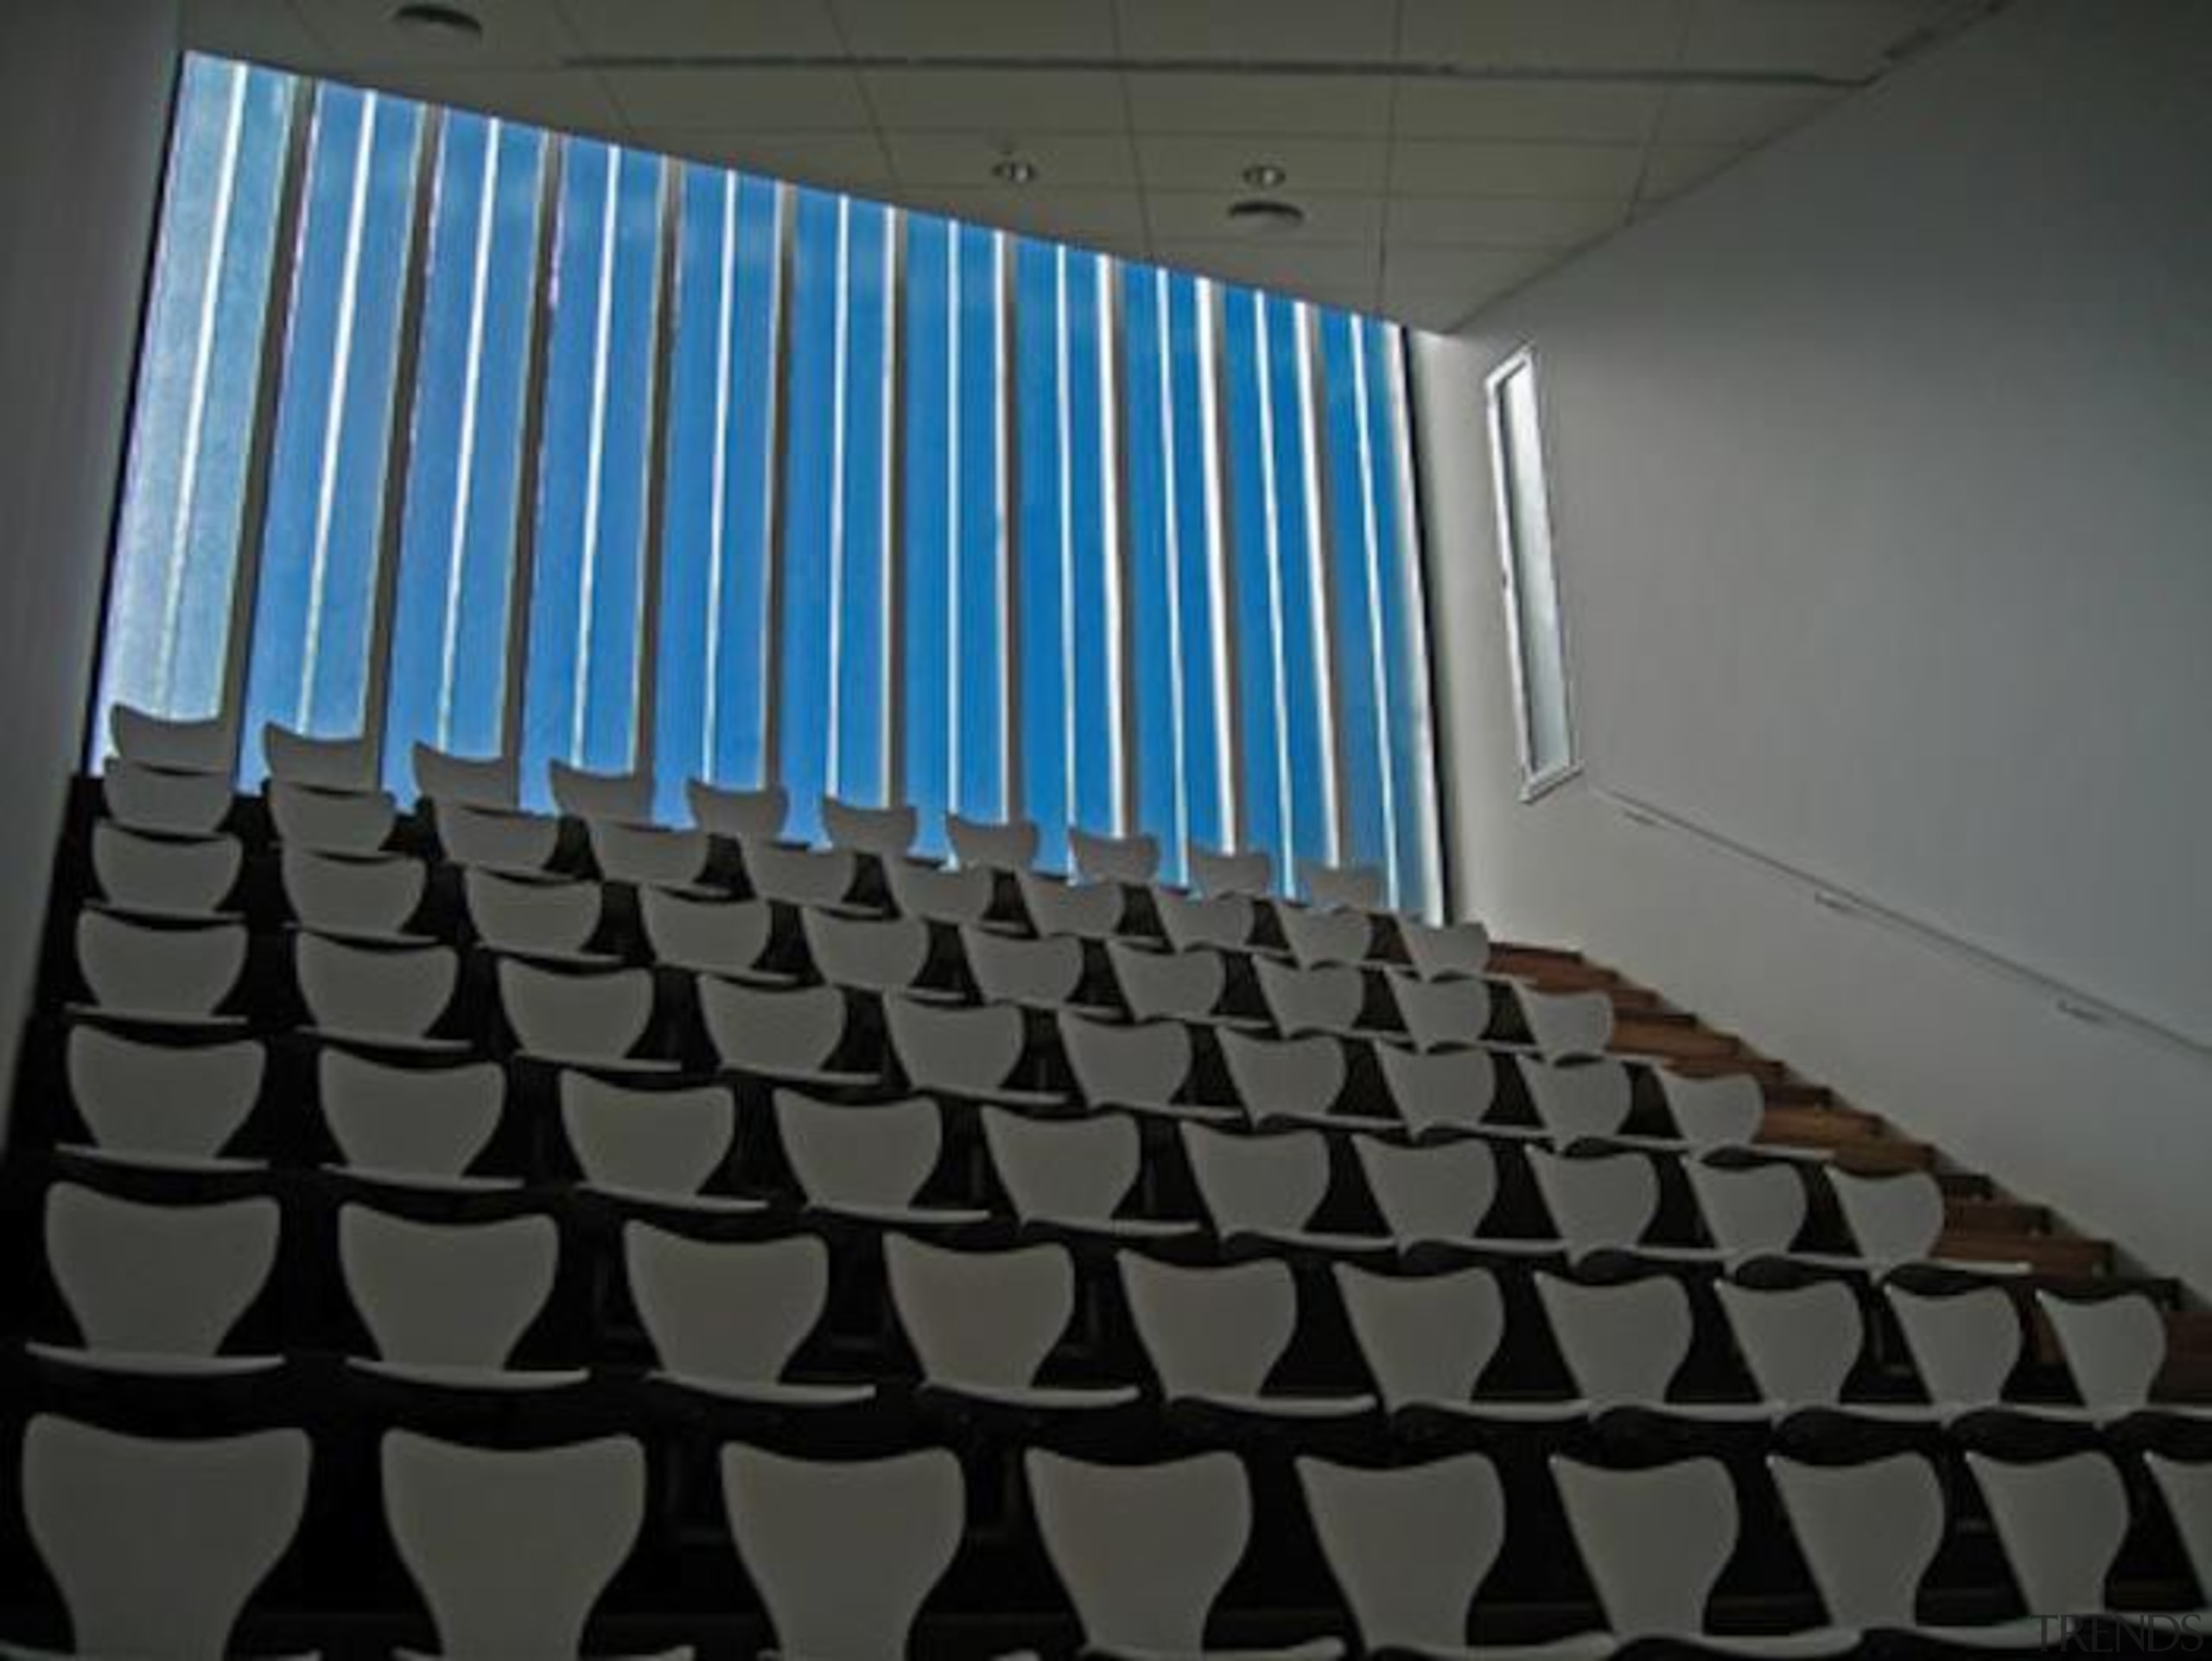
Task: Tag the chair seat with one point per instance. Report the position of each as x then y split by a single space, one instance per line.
1318 1649
404 1043
1364 1124
1282 1407
494 1380
1040 1398
1501 1410
1197 1112
907 1216
147 1159
1325 1241
1116 1228
1581 1646
647 1067
769 1392
148 1365
170 1018
718 1204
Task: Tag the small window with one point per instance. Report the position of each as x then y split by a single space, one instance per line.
1532 608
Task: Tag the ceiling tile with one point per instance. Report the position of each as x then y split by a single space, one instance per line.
1294 269
1011 105
1500 222
1062 160
1093 218
1738 115
1436 167
1203 161
360 33
1672 168
567 100
265 31
1556 34
976 27
734 100
832 160
1337 31
1324 104
1587 112
1816 36
1202 216
700 28
1437 288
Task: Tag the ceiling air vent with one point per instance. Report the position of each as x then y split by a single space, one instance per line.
1265 216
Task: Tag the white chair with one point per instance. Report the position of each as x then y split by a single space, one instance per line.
844 1553
793 1034
1266 1187
1964 1346
1868 1531
1191 923
1719 1112
1562 1024
1654 1541
945 896
1295 1078
728 938
143 739
725 1317
1144 1066
1172 985
1451 1091
161 1102
1213 1335
511 1548
499 838
1008 847
982 1323
490 782
156 1544
1319 937
584 794
175 971
1749 1211
1441 1013
390 994
1311 1000
822 879
1578 1099
596 1016
1144 1551
867 1160
1435 1195
1599 1203
640 854
2186 1487
165 802
1214 873
1623 1344
334 764
158 1288
1799 1345
1426 1339
335 822
424 1124
887 833
1045 973
367 895
537 916
1893 1218
1092 910
970 1053
182 877
2061 1523
1339 888
446 1303
1113 859
746 816
2114 1349
1458 950
663 1146
875 954
1072 1174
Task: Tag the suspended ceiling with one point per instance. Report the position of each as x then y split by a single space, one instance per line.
1441 151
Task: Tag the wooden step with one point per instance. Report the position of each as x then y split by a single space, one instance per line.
2192 1332
2047 1254
1638 1036
2187 1377
1516 958
1996 1216
1879 1156
1817 1127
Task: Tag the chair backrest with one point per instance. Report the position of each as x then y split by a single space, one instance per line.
152 741
869 1156
1296 1077
145 872
955 1049
1147 1063
981 1318
1749 1208
323 763
2061 1523
748 816
1451 1089
728 1311
1010 847
176 804
1211 1331
1093 910
182 1100
844 1553
886 832
718 936
505 838
1717 1113
302 817
344 894
1426 1338
1383 1532
1800 1343
157 1545
446 1295
1582 1098
1623 1343
416 1121
1257 1183
668 1141
1964 1344
1174 985
794 1031
1566 1023
445 778
1438 1192
1437 1013
511 1548
585 794
1191 922
1214 873
1606 1200
1455 949
394 992
801 876
1142 1550
1316 938
164 968
2114 1346
1893 1218
146 1279
879 954
1062 1170
1340 888
602 1012
2186 1487
512 913
625 852
1311 1000
1869 1532
1046 971
1113 859
1654 1540
947 896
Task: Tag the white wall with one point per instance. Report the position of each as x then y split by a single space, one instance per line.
84 92
1884 478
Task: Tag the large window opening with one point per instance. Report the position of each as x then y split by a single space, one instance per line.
1534 625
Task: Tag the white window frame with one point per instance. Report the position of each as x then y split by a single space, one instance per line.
1534 782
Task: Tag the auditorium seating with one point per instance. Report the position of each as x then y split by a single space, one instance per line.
473 1231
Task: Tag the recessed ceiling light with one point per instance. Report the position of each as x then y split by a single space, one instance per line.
450 23
1264 176
1265 216
1014 171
